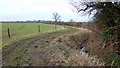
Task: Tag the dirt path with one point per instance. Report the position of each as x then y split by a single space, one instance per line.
19 50
45 49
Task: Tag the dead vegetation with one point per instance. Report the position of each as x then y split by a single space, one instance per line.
103 49
70 48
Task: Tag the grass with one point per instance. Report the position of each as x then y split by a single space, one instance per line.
20 31
0 35
17 29
113 56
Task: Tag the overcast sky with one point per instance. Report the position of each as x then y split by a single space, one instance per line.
37 10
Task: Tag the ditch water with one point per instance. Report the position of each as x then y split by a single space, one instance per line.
82 50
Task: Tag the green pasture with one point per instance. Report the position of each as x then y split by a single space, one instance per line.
21 30
0 35
17 29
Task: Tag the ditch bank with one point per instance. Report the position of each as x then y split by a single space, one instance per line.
74 48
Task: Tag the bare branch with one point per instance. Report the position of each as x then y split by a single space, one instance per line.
56 16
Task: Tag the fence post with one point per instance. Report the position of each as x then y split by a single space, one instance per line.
39 28
55 26
9 33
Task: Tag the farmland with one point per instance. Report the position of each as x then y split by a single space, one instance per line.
49 33
29 47
49 48
22 30
18 29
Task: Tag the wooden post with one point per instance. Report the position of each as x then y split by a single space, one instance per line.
9 33
55 26
39 28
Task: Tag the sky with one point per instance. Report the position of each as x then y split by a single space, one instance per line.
22 10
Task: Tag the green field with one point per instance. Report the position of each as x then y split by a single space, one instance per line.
17 29
0 35
20 30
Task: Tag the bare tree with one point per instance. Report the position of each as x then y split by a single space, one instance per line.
108 12
71 20
56 17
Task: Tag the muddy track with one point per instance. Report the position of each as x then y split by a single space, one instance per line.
32 51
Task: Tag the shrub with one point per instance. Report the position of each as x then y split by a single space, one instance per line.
113 56
108 34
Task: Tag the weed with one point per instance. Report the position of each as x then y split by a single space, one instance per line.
113 57
108 34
